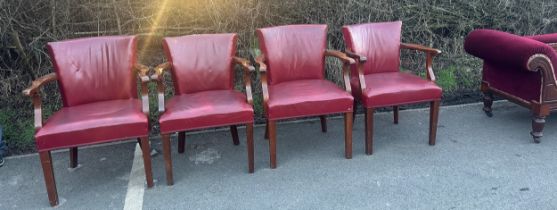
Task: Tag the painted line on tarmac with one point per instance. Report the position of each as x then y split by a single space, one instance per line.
136 183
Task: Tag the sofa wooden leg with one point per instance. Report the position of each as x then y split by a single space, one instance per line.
272 143
348 135
73 157
538 123
181 142
488 102
249 136
323 123
167 158
395 114
234 132
369 130
433 119
50 182
146 150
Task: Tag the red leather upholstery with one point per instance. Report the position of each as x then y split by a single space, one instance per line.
385 85
293 52
205 109
379 42
203 79
93 123
307 98
396 88
505 60
94 69
545 38
201 62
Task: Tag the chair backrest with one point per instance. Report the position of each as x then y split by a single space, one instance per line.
293 52
379 42
201 62
95 69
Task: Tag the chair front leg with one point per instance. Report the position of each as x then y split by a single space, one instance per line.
234 132
433 118
488 102
73 157
348 135
50 182
323 119
369 130
272 143
167 158
249 136
146 150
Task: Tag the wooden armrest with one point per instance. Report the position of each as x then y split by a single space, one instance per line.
142 72
340 55
360 58
430 53
347 61
260 60
420 48
248 68
33 92
158 77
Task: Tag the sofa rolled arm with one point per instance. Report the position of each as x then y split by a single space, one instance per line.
506 49
545 38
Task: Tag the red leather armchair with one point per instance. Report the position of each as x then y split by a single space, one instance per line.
520 69
292 75
376 79
202 71
97 81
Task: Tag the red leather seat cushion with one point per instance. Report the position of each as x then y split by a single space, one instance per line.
397 88
93 123
205 109
307 98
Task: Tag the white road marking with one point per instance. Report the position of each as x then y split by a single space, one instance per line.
136 183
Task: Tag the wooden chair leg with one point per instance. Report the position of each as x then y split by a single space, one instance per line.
348 135
46 163
323 123
146 150
538 123
267 130
234 132
488 102
73 157
433 118
167 158
395 114
181 142
272 143
369 130
249 136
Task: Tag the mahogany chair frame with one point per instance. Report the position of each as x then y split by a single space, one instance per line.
541 64
430 53
158 77
34 91
270 130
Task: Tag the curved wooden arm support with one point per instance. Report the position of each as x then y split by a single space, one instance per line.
347 61
159 78
142 72
360 67
34 92
430 53
260 60
541 63
248 69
